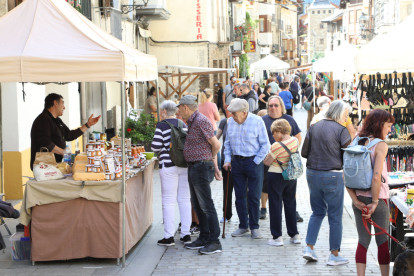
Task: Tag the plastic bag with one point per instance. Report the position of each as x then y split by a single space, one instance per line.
44 171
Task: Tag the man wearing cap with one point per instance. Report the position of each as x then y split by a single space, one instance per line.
200 151
248 143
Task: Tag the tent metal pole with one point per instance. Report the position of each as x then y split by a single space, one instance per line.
158 100
123 100
103 105
313 85
84 119
1 144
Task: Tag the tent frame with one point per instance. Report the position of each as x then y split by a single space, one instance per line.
123 190
179 88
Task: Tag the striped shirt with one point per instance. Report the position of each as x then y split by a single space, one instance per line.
280 154
161 142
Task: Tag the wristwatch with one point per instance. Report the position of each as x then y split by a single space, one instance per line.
86 124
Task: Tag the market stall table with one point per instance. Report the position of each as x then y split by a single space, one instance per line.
85 218
397 228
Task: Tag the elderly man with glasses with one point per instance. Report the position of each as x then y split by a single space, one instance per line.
276 110
248 143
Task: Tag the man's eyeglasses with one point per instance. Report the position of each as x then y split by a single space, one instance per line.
273 105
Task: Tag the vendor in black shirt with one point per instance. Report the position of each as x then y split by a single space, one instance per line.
50 132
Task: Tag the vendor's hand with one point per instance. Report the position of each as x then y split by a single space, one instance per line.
371 209
92 121
359 204
227 166
217 174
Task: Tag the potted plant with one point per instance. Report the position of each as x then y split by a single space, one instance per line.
141 130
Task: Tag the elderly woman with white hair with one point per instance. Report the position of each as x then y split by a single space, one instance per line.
323 103
323 150
174 180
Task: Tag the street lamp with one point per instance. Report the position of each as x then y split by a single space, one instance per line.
363 23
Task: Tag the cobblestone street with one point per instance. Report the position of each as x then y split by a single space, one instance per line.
245 256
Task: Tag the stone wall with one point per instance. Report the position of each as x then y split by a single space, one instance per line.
218 57
315 17
3 7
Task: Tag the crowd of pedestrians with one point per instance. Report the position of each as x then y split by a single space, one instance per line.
255 152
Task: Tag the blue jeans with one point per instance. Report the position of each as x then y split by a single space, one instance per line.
326 194
247 173
200 176
219 153
281 194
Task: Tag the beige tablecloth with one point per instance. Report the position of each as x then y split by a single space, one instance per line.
53 191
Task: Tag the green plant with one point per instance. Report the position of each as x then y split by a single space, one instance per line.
317 56
244 65
140 130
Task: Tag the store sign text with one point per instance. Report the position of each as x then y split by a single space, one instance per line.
198 20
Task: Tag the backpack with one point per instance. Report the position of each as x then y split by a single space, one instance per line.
178 136
358 170
296 96
295 167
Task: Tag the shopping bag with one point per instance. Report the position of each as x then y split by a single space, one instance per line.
44 171
45 157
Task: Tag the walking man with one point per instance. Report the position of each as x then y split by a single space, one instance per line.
249 96
274 86
276 110
248 143
200 151
228 94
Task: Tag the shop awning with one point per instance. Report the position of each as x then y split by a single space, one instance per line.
168 69
50 41
286 36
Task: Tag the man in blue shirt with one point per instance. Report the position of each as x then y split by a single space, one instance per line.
248 143
276 110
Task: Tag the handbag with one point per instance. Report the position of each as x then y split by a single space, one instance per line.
307 105
45 157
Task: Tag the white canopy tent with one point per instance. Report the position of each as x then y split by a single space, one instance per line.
340 61
269 62
391 51
49 41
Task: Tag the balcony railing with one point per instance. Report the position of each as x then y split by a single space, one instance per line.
108 19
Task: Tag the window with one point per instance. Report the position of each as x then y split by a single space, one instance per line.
319 12
261 25
330 11
324 11
321 41
313 12
321 26
352 17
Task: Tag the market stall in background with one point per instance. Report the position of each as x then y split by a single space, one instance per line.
55 51
386 79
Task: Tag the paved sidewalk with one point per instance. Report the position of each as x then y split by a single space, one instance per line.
245 256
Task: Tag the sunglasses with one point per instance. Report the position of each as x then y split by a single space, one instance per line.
273 105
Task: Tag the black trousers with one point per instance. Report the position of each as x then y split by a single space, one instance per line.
282 194
289 112
220 106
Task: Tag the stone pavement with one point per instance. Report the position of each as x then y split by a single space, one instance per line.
241 256
245 256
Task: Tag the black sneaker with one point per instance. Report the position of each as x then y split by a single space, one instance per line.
186 239
298 217
195 231
167 242
262 213
197 244
179 227
211 248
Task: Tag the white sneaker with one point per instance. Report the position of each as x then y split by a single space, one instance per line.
295 239
276 242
